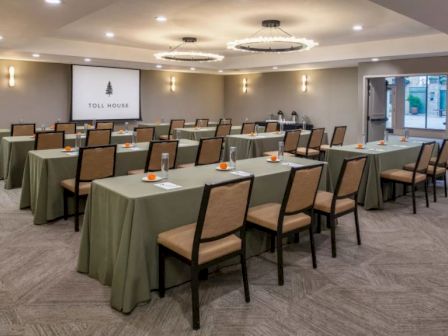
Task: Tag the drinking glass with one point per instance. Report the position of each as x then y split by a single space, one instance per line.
386 136
42 127
78 141
406 133
133 137
126 127
304 124
281 126
165 165
232 157
86 127
281 150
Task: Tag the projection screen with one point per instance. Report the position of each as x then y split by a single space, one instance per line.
101 93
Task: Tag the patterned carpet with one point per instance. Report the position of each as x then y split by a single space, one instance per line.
396 283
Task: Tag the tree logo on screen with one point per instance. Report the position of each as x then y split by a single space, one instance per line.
109 90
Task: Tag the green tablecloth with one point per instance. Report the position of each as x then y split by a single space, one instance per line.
124 216
163 128
45 169
249 146
3 133
394 155
15 150
203 132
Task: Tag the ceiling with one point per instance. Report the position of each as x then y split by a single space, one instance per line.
75 29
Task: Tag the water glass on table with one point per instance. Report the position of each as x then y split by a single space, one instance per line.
232 157
165 165
281 150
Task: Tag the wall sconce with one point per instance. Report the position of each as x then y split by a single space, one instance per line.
12 76
304 83
245 85
173 84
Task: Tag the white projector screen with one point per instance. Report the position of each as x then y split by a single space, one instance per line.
100 93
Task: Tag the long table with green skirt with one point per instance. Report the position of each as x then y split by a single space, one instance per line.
15 151
394 155
45 169
251 146
202 132
162 128
3 133
124 215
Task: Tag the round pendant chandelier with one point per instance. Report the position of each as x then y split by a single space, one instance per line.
271 38
178 55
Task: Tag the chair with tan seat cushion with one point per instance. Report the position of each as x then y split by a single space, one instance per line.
436 169
49 140
174 124
225 121
98 137
312 148
293 215
344 199
201 123
271 126
23 129
104 125
93 163
68 128
212 238
209 152
290 141
144 134
223 130
337 139
154 157
411 178
248 128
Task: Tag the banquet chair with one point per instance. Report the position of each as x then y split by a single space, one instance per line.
106 125
201 123
223 130
248 128
144 134
23 129
174 124
209 152
411 178
344 200
93 163
436 169
212 239
154 157
49 140
68 128
312 149
271 126
336 140
293 215
290 141
98 137
225 121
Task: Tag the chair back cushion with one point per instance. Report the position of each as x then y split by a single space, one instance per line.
302 188
271 127
425 156
156 148
68 128
102 125
292 140
223 130
209 151
248 128
49 140
351 174
98 137
201 122
338 136
225 120
23 129
316 136
144 134
443 154
96 162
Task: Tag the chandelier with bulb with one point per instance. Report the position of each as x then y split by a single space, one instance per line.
179 55
271 38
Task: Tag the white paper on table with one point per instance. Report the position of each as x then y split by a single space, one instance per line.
72 153
240 173
167 185
292 164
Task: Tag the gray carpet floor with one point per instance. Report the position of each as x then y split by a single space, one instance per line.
396 283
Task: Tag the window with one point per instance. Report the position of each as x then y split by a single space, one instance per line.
425 102
390 87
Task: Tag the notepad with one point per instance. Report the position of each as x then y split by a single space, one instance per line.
240 173
292 164
72 153
167 185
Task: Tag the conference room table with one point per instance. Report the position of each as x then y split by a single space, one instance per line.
15 150
162 128
45 169
393 155
251 146
197 133
3 133
124 215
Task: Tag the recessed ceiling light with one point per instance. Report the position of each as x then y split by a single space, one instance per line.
375 59
87 60
192 69
109 34
357 27
159 66
161 18
36 55
274 68
53 2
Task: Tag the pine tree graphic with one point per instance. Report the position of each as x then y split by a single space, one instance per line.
109 89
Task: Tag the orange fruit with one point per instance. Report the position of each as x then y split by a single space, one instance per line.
273 157
127 144
151 176
68 148
359 145
223 165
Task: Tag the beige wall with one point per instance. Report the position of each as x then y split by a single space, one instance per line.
331 98
42 94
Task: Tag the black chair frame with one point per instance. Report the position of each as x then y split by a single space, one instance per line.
38 135
148 157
